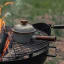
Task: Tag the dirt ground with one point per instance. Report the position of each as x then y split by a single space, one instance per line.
59 59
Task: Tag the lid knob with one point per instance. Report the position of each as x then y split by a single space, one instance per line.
24 22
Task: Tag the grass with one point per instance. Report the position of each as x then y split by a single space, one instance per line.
51 62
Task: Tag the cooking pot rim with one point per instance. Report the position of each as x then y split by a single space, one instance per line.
23 32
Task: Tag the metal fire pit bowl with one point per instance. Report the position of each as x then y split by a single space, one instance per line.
33 52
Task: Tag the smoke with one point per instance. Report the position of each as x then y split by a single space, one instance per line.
7 14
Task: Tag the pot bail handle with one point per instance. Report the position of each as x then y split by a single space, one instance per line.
49 38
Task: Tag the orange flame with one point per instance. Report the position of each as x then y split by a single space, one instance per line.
8 3
2 25
6 45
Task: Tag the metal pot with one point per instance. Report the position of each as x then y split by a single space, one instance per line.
23 32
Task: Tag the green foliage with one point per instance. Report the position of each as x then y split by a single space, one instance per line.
33 8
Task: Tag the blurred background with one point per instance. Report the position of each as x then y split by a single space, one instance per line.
35 11
45 11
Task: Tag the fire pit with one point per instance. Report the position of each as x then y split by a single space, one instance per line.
33 51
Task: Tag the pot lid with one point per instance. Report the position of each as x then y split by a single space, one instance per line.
24 27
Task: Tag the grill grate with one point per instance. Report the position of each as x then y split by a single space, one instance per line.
21 51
